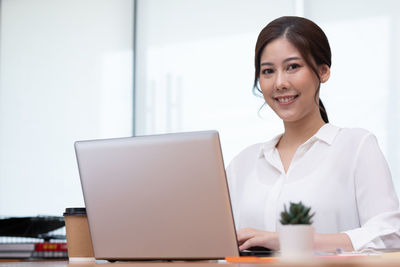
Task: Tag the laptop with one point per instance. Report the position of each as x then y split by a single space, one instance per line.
159 197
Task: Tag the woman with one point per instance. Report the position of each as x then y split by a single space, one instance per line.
341 173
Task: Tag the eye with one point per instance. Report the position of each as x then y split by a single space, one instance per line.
293 66
267 71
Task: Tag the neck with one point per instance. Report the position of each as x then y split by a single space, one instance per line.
298 132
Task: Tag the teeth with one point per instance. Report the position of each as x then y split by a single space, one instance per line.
285 99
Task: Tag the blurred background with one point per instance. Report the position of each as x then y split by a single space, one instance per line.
86 69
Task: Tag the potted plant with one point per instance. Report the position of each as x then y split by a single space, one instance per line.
296 232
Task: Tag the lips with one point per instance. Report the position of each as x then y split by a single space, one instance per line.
286 100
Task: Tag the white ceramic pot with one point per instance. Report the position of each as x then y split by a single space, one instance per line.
296 241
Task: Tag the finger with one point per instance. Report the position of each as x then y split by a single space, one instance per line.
245 234
246 245
253 242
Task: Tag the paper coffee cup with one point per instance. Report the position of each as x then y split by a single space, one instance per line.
79 242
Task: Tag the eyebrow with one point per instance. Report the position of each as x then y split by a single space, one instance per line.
286 60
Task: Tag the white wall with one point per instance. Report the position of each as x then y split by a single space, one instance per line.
195 68
66 75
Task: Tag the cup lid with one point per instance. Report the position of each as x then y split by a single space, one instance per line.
75 212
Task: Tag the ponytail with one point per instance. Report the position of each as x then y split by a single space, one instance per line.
322 110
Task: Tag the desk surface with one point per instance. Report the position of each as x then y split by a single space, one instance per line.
323 262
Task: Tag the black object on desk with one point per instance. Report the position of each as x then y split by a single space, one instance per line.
35 227
257 251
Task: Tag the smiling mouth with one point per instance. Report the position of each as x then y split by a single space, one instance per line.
286 99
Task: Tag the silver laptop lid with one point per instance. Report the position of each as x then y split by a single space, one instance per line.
157 197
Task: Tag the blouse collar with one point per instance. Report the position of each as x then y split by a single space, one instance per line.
326 133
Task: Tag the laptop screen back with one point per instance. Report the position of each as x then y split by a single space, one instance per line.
157 197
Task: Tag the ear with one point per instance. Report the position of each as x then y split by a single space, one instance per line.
324 73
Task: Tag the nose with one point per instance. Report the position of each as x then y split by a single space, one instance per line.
281 81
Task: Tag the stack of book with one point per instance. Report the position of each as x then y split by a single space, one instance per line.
15 250
45 250
50 251
33 237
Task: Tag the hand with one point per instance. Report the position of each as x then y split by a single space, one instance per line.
250 237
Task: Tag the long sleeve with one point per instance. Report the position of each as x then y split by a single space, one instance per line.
377 202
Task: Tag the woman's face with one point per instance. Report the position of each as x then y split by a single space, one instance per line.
287 82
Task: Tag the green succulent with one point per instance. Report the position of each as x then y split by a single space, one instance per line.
297 214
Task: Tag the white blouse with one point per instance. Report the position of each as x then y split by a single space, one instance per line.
341 173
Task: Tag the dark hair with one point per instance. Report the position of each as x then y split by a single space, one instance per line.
306 36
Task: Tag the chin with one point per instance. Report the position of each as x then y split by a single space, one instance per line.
288 118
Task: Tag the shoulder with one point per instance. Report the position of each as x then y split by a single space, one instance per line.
243 164
245 160
354 132
355 136
250 153
355 141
